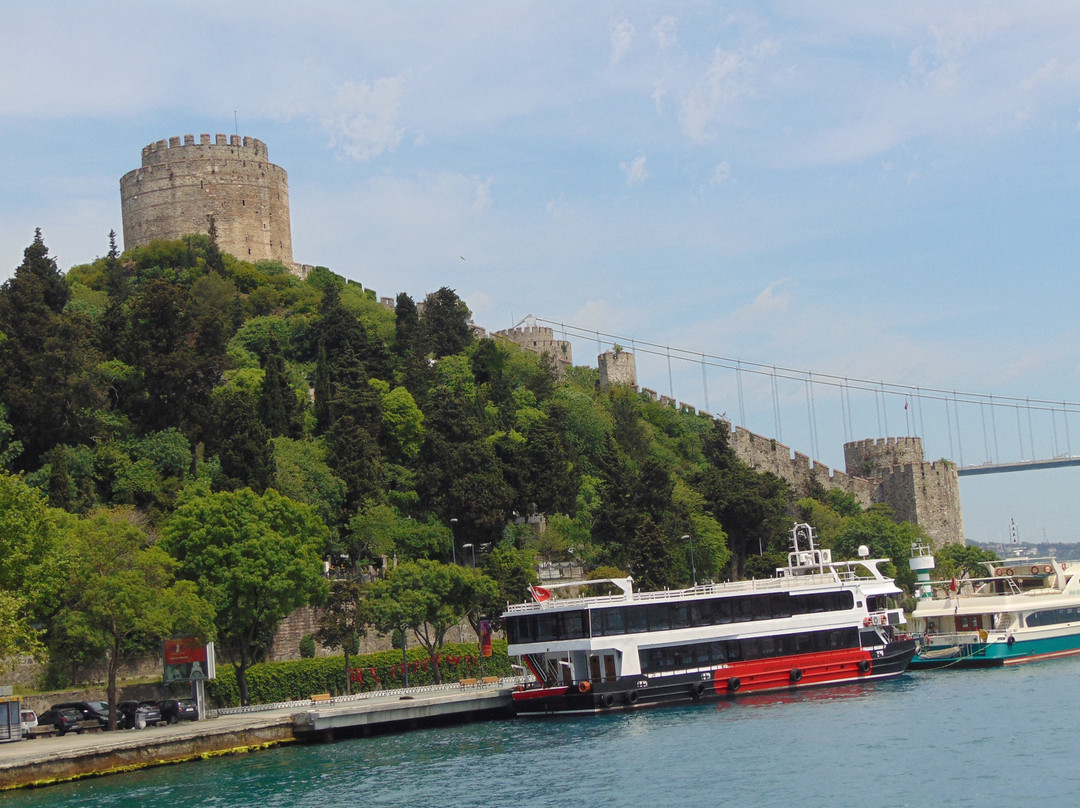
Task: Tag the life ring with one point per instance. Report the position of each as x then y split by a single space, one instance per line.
1010 572
584 687
631 696
1047 569
1064 565
795 676
999 571
733 684
868 621
864 666
1034 569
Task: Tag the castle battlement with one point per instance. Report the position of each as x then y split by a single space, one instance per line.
181 184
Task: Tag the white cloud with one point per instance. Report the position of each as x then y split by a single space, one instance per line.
728 78
622 36
665 34
482 200
635 171
720 174
364 123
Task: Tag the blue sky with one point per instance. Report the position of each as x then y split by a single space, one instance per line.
884 192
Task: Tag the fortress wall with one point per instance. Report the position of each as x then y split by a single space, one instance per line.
181 183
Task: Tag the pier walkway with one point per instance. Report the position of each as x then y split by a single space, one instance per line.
48 760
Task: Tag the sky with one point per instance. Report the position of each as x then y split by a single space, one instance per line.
881 192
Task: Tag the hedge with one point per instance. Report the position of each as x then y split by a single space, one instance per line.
270 682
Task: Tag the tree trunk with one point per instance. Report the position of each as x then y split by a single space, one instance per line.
114 665
348 676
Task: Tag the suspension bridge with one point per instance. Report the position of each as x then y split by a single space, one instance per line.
980 433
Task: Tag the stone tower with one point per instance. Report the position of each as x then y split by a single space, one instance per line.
616 367
541 340
180 185
927 494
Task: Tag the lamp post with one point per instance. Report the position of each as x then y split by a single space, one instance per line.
479 645
693 569
453 540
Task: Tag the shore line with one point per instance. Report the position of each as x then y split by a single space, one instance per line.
47 761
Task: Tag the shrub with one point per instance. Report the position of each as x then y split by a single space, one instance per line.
271 682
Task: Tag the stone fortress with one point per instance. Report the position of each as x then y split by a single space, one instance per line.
181 185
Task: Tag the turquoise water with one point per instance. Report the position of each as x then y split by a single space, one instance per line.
952 738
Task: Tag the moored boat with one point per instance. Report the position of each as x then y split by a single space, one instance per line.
1024 609
817 622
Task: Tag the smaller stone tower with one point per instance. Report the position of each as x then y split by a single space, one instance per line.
181 185
617 367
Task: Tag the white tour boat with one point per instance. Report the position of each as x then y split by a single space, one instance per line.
1024 609
817 622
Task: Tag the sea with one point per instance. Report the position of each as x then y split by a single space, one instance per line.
1008 736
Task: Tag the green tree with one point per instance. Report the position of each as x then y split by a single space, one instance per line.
255 558
340 623
445 323
123 600
427 598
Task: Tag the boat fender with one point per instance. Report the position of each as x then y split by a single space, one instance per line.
584 687
697 690
1034 569
1011 640
733 684
864 666
631 696
796 675
867 621
607 700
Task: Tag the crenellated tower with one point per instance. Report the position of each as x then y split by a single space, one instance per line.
181 184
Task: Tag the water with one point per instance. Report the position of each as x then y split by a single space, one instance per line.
952 738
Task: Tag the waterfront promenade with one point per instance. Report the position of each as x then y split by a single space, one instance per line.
48 760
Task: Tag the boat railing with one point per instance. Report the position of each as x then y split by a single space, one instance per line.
830 576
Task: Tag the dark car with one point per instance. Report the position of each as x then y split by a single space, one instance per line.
65 719
128 713
173 710
90 710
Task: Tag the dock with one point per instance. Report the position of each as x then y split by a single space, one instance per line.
42 761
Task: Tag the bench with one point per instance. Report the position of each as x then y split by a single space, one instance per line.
317 698
490 680
89 725
468 683
42 731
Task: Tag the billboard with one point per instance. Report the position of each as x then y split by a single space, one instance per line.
188 659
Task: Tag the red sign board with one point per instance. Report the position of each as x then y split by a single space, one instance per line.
184 649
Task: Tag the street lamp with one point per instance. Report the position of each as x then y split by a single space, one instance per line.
453 540
479 645
693 569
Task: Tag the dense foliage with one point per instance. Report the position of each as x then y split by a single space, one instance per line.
258 426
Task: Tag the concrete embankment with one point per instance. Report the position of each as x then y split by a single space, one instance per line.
51 760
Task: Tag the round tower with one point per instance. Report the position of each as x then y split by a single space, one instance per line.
180 185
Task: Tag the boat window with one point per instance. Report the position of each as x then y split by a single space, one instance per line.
704 655
762 608
680 615
659 620
1051 617
637 619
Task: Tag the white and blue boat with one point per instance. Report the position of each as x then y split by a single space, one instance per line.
1025 609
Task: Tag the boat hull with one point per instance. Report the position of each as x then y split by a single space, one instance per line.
997 654
725 682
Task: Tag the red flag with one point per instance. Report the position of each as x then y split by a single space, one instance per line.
485 638
952 586
539 593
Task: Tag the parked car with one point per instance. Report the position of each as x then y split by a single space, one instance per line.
29 720
65 719
129 713
90 710
173 710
